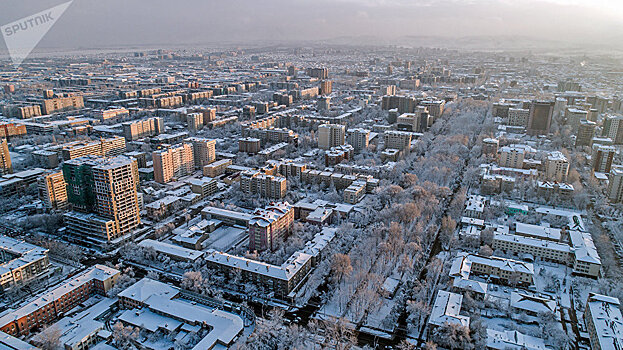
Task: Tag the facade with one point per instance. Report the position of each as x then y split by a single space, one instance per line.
217 168
173 162
6 167
490 146
49 106
53 191
602 158
252 182
143 128
518 117
269 226
21 262
615 185
204 151
556 167
586 132
358 138
331 135
104 148
540 117
400 140
511 157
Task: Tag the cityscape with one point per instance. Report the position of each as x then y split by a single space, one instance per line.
309 194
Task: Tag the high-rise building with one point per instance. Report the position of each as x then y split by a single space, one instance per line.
574 115
416 122
5 158
400 140
173 162
615 184
518 117
194 121
49 106
556 167
320 73
53 191
269 226
540 118
613 128
204 151
253 182
103 193
323 103
602 158
511 157
331 135
326 87
143 128
103 148
490 146
586 132
358 138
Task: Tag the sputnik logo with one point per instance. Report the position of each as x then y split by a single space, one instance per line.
23 35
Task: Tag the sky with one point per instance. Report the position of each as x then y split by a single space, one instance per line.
118 23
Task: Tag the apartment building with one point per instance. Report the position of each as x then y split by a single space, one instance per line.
556 167
331 135
358 138
110 147
507 271
586 132
49 106
204 151
254 182
103 193
216 168
53 191
511 157
6 167
602 158
55 303
269 226
21 262
615 185
540 117
613 128
173 162
400 140
604 322
143 128
249 145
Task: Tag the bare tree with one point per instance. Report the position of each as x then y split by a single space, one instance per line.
341 266
49 338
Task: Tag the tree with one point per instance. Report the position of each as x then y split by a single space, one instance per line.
341 266
49 338
193 281
485 250
124 337
430 345
452 336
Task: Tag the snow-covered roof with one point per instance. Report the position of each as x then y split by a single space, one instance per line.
607 321
532 303
171 250
584 247
447 308
146 287
513 340
538 231
284 272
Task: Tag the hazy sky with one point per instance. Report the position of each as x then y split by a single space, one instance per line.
96 23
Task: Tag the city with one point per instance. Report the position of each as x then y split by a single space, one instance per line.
308 196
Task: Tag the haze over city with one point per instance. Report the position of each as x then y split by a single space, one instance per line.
293 175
